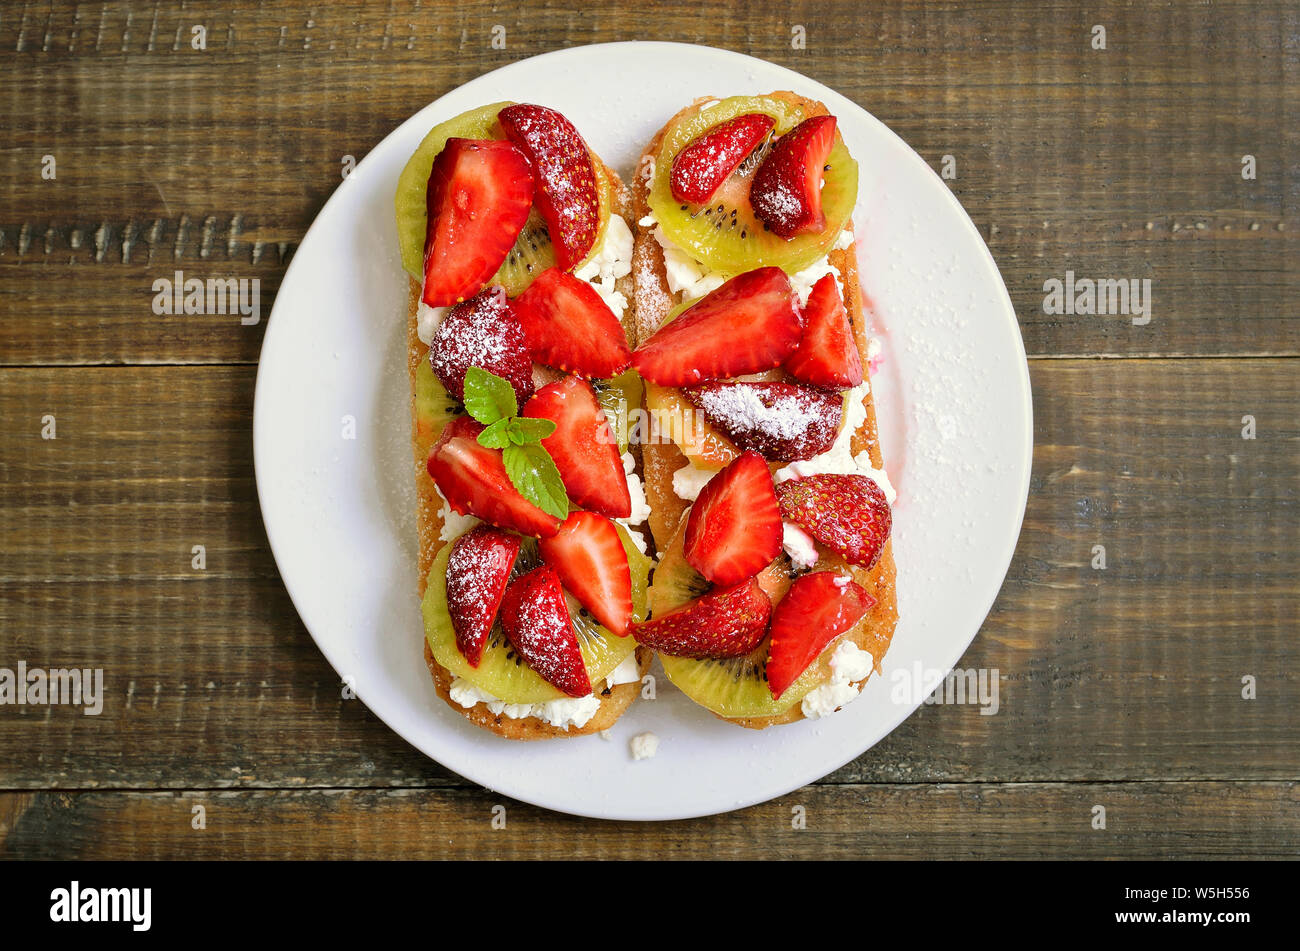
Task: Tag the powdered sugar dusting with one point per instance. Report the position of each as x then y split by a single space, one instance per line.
482 332
536 619
780 420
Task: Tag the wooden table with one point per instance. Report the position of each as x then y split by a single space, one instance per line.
1121 687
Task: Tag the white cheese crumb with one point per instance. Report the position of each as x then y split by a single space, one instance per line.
689 480
644 745
848 663
427 320
562 713
612 260
454 524
799 545
628 672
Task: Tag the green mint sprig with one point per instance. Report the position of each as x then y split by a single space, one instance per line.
491 401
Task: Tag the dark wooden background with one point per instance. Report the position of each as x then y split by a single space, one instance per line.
1120 687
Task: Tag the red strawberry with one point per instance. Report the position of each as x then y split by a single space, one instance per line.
786 193
734 528
782 421
473 480
582 446
817 609
480 193
589 557
701 168
482 332
847 513
567 195
726 622
478 569
568 326
536 620
828 353
747 325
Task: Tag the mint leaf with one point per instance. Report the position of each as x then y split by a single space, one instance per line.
533 474
496 436
525 430
488 397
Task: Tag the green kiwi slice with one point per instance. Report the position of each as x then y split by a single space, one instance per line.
733 686
533 251
502 672
413 183
724 234
434 406
619 396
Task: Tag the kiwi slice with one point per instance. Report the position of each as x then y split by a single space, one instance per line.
725 235
434 406
618 397
502 672
413 183
732 686
533 251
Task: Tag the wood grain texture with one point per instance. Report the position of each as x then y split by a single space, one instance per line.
963 821
1118 163
1120 687
1133 672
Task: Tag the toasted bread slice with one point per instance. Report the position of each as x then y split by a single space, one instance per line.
660 459
613 701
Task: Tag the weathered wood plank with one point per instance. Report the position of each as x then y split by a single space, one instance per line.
1132 672
1030 821
1118 163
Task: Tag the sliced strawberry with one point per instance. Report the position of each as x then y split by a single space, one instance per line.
817 609
478 570
786 193
567 195
781 421
747 325
589 557
482 332
568 326
480 193
702 166
582 446
726 622
536 620
473 480
828 353
734 528
846 513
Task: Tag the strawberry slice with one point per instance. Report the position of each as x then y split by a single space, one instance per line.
747 325
482 332
828 353
700 169
478 570
726 622
734 528
536 620
817 609
582 446
786 193
473 480
566 195
480 193
847 513
568 326
781 421
589 557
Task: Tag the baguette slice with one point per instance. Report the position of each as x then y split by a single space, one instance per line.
661 459
613 701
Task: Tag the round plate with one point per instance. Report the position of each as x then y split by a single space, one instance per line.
952 395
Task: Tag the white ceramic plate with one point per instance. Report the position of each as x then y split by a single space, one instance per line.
952 394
